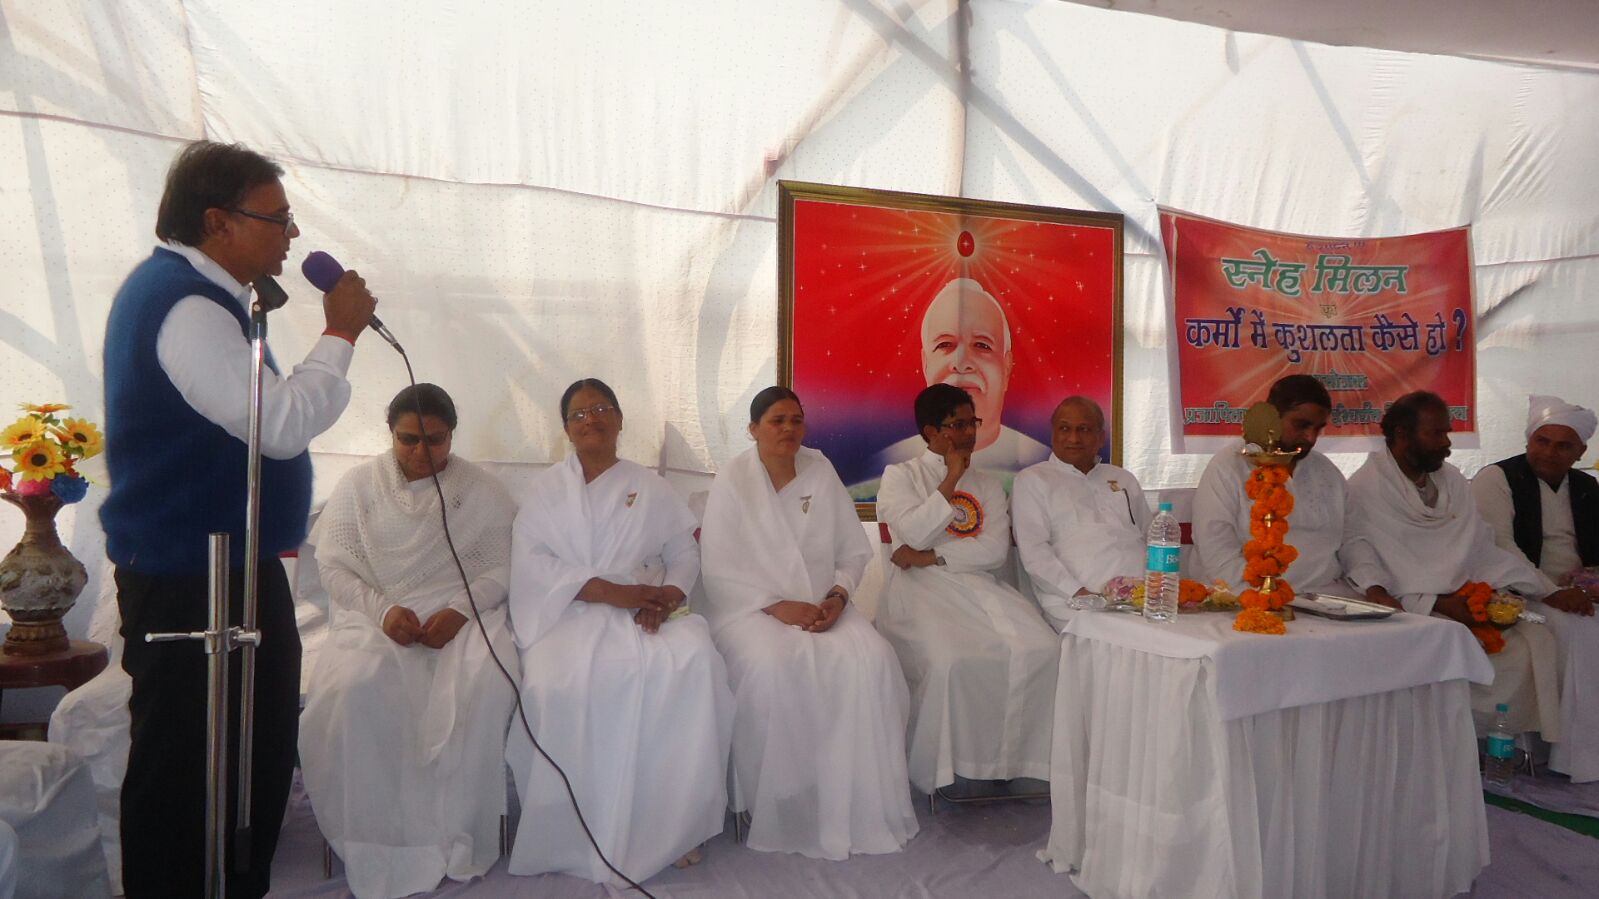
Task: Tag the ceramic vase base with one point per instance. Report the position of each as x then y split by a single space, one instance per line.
36 638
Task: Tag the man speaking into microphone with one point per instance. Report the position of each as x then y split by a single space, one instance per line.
177 382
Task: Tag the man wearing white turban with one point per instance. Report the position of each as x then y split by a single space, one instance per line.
1542 508
1537 503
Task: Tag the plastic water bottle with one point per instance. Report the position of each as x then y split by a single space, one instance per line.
1499 768
1160 572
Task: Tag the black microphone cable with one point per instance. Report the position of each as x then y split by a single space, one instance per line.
444 519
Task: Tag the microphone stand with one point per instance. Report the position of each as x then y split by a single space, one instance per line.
268 297
220 639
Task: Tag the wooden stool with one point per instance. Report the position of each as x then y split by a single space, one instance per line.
70 668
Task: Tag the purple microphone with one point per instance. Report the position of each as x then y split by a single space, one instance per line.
323 271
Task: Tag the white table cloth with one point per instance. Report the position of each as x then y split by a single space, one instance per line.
1338 760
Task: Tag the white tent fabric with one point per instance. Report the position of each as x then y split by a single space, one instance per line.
542 191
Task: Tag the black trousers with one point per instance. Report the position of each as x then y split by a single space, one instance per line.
163 794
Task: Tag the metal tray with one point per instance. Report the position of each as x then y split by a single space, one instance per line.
1340 608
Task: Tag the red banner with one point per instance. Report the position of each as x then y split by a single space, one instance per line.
1371 318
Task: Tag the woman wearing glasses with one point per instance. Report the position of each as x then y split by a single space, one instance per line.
401 741
622 688
819 731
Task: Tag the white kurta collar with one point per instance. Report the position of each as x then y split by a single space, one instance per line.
1069 469
212 272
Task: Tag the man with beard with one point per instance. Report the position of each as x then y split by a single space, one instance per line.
1079 521
1417 539
966 344
1318 524
979 659
1543 509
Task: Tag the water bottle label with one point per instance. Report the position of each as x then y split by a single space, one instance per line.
1164 559
1501 747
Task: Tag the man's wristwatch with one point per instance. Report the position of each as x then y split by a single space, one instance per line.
836 592
938 560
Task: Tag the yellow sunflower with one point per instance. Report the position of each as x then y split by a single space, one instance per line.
39 461
24 432
82 436
46 409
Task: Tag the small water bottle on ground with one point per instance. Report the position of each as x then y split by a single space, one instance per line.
1499 768
1160 572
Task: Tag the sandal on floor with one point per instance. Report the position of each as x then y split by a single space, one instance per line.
690 858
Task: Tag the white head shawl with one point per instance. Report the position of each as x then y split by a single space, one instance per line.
1552 410
749 557
390 535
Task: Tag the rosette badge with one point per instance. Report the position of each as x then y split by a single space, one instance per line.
39 579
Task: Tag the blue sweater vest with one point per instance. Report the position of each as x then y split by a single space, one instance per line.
175 475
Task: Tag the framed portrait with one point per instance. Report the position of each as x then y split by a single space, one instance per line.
884 293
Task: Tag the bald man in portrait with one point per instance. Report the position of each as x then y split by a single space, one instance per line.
966 343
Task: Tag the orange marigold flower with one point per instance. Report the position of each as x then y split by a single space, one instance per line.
1191 592
1276 502
1492 641
1476 594
1258 621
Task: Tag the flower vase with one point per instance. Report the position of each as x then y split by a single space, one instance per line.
39 580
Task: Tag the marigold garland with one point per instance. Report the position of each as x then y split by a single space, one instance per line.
1477 594
1266 555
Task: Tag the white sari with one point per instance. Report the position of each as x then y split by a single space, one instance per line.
401 747
819 730
640 722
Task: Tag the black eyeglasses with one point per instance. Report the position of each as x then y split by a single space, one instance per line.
577 415
963 424
285 221
414 439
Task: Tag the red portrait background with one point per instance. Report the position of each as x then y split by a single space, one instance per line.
858 270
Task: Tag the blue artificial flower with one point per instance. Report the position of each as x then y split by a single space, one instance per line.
69 488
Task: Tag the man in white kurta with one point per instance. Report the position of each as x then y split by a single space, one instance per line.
1416 538
1317 527
640 722
1079 521
980 659
1538 519
402 746
819 730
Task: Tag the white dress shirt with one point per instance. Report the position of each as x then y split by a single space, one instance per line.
1559 556
1076 531
207 358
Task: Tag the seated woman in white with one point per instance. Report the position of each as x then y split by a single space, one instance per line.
401 741
633 706
819 729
